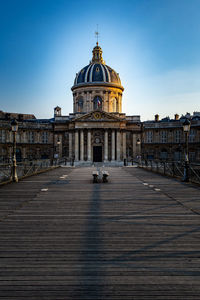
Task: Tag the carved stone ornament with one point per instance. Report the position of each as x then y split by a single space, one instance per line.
97 115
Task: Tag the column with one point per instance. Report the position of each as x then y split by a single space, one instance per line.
118 145
107 102
89 145
113 144
74 104
109 99
124 144
76 146
91 101
120 103
60 147
138 145
106 145
134 145
87 102
70 145
82 145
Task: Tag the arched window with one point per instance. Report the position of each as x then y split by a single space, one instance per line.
80 105
97 103
115 105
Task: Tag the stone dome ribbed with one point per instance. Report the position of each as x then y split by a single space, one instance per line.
96 72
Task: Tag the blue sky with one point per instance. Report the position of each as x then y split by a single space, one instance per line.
153 44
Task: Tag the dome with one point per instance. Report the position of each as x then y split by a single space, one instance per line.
97 72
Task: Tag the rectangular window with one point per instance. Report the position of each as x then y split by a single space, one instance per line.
198 154
31 137
192 156
2 136
17 137
192 134
163 136
177 136
149 136
45 137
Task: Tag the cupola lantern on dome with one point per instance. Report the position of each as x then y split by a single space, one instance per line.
97 55
97 72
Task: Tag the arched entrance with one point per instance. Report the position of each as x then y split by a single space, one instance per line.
97 153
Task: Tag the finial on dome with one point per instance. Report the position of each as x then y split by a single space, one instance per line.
97 34
97 51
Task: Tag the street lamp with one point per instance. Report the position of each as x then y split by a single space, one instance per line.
138 143
56 155
58 145
14 125
186 129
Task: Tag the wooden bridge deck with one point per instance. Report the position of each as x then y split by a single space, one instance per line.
135 237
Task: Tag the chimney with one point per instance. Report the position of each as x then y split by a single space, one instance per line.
176 117
156 118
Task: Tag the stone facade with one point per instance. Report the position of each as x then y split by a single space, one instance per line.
97 130
166 140
34 139
98 137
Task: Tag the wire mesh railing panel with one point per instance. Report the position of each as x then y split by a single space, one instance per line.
24 168
172 168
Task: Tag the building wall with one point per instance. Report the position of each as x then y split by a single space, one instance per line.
38 139
166 140
83 99
34 140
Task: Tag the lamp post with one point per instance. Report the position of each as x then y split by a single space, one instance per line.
186 129
138 143
58 145
56 155
14 125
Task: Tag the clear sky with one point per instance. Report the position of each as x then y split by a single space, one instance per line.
153 44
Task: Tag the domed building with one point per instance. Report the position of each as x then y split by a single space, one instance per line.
97 130
97 86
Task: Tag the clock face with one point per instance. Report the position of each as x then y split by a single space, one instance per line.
97 115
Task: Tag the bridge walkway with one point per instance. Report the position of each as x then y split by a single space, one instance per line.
63 237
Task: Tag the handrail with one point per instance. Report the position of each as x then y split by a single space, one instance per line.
172 168
25 168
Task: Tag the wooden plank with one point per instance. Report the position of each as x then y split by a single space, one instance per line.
136 237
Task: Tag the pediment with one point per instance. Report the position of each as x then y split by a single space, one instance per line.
98 116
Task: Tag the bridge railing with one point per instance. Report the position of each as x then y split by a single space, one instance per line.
26 168
172 168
